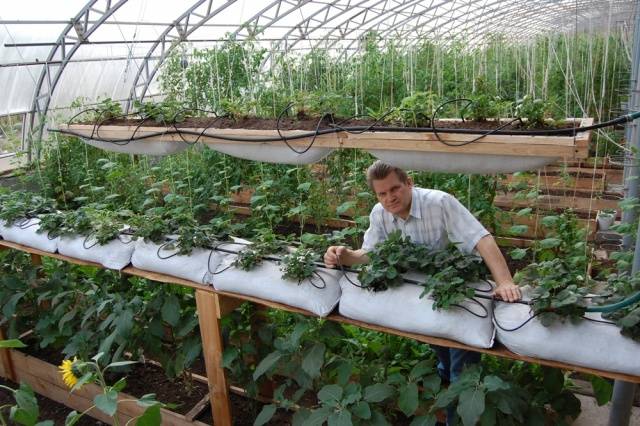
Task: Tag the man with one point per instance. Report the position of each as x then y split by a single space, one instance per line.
433 218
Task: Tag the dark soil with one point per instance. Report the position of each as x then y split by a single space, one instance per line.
49 409
310 123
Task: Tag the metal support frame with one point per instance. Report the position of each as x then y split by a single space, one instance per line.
85 23
623 392
192 19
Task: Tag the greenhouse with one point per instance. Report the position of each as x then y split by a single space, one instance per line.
320 212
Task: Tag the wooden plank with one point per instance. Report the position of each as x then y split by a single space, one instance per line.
47 381
198 408
518 145
212 348
6 363
557 203
535 229
567 183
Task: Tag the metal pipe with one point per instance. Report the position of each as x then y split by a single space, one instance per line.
623 392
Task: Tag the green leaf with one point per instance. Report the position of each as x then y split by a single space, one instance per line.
330 394
602 389
45 423
120 384
343 418
171 310
150 417
265 415
524 212
429 420
553 380
378 419
494 383
266 364
11 343
362 410
147 400
471 406
318 417
548 243
304 187
408 399
313 360
420 369
229 355
344 207
120 364
518 253
26 410
378 392
550 221
107 402
518 229
72 418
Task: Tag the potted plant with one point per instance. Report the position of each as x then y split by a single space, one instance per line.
606 217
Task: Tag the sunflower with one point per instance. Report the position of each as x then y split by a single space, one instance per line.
70 371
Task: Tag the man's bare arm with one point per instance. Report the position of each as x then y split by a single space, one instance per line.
493 258
341 255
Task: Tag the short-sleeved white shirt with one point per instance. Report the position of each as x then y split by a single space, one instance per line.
435 219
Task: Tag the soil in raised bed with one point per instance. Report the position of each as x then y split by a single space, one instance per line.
49 409
311 123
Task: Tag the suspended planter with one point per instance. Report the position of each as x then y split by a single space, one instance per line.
318 294
438 151
469 153
27 233
168 140
115 254
591 342
402 308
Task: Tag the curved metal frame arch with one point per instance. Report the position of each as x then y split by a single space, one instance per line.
253 26
303 26
170 38
402 23
397 10
85 23
344 26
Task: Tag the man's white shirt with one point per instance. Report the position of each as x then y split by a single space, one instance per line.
435 219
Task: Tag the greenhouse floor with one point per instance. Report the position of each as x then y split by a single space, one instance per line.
593 415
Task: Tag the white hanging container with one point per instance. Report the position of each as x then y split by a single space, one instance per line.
25 232
115 254
402 308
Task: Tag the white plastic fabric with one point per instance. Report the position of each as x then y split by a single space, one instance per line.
194 267
401 308
269 153
27 235
587 343
115 254
460 163
139 147
265 282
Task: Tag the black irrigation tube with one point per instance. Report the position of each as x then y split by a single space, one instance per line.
336 128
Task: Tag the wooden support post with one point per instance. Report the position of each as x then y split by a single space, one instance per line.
212 347
5 360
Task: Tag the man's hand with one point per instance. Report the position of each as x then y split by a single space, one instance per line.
334 256
509 292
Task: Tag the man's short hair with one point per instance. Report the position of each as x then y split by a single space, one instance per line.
380 170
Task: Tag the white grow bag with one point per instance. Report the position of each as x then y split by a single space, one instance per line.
265 282
587 343
26 233
269 153
115 254
460 163
194 267
401 308
140 146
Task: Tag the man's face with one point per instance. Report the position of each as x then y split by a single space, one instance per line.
394 195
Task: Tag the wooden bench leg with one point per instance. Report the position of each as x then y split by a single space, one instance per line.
211 333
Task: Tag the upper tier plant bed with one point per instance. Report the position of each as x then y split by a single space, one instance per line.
298 142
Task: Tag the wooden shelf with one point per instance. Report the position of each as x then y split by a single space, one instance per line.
567 147
212 305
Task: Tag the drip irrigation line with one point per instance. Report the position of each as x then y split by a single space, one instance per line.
86 239
351 129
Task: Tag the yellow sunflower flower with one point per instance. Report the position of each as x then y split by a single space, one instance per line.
69 371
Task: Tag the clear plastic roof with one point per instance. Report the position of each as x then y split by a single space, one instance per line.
123 40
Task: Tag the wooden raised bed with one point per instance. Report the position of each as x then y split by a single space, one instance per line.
45 379
492 153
